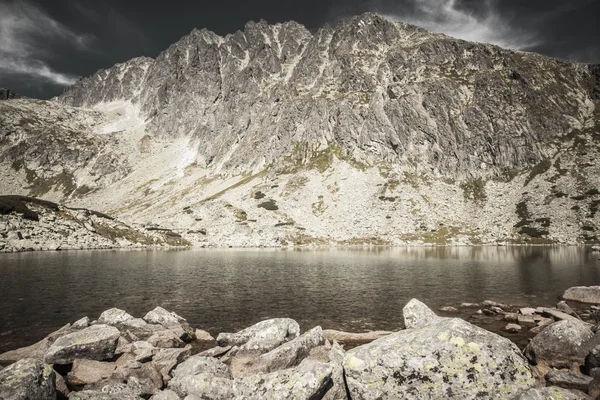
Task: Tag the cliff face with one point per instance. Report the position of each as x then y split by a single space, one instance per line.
374 131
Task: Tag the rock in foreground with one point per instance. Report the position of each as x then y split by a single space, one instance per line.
98 342
583 294
440 358
27 379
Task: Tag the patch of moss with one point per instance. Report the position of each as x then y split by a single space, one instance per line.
594 205
592 192
241 182
474 189
283 224
319 207
523 214
269 205
390 199
579 197
18 204
259 195
533 232
240 215
544 222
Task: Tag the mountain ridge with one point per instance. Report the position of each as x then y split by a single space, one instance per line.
445 141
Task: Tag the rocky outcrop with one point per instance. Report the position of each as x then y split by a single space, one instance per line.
27 379
564 344
437 358
7 94
28 223
98 342
583 294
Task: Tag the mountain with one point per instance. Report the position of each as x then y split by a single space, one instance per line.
370 132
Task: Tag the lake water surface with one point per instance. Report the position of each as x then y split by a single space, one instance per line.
226 290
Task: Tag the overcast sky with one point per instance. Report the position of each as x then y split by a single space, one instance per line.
46 44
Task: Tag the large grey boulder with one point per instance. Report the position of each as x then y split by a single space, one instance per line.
97 342
114 316
198 373
336 359
166 359
285 356
168 319
89 371
569 380
564 344
135 329
27 379
442 358
37 350
263 336
583 294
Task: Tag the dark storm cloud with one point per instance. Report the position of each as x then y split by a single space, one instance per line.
27 38
44 45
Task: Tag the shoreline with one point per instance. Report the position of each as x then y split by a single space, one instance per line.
145 341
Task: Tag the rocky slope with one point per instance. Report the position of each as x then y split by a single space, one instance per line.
370 132
28 224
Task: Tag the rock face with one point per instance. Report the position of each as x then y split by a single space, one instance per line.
7 94
27 379
439 358
583 294
399 112
98 342
564 344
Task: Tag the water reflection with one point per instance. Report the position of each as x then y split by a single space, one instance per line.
222 290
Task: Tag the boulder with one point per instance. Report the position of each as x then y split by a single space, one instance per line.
592 360
89 371
165 360
201 375
167 319
166 339
550 393
197 365
97 342
583 294
137 329
417 315
27 379
564 344
113 317
527 311
513 328
37 350
336 359
285 356
556 314
353 339
442 358
569 380
81 323
263 336
203 336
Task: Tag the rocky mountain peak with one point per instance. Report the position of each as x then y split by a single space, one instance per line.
7 94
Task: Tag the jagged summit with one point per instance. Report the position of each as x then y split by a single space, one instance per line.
7 94
369 129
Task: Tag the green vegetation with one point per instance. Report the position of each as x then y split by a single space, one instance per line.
269 205
474 189
303 157
319 207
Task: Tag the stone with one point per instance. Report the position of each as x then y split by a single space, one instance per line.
511 317
160 316
37 350
137 329
551 393
449 309
491 303
166 339
285 356
469 305
97 342
353 339
564 344
14 235
203 336
526 320
197 364
61 386
417 315
336 359
263 336
81 323
558 315
564 307
89 371
592 360
513 328
27 379
448 358
569 380
527 311
113 317
583 294
166 359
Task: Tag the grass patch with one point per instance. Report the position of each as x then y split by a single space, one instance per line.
474 189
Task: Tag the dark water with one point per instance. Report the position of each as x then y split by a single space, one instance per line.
224 290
